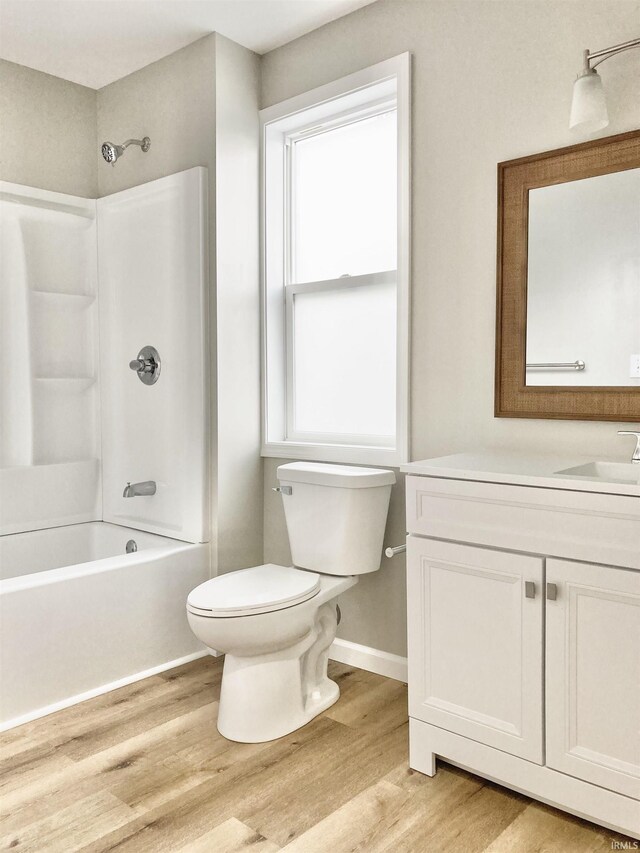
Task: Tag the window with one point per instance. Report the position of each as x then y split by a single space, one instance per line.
335 267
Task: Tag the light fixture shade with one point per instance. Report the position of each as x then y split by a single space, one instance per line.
589 107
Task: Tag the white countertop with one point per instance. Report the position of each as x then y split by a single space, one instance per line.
495 466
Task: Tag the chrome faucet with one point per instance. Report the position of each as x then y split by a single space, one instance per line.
134 490
636 453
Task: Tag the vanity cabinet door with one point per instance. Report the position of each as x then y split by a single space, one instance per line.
475 622
593 674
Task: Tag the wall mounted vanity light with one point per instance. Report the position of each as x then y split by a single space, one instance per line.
589 105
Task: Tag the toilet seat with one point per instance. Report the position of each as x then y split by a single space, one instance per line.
261 589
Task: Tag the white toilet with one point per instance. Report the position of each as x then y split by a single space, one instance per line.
275 623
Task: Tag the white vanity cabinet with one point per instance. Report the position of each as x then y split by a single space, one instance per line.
524 656
475 644
592 664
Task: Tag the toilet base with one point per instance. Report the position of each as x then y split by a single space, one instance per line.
265 697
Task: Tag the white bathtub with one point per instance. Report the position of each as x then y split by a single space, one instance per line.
79 616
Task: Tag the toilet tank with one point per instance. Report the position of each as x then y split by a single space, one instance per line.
336 515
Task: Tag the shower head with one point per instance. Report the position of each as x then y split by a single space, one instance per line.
111 152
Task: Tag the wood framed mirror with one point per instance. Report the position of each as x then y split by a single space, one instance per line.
568 289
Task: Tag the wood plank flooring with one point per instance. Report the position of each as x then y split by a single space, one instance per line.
144 769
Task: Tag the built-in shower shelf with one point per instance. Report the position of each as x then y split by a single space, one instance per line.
69 384
50 325
69 300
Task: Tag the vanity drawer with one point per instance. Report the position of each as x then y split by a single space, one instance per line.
588 526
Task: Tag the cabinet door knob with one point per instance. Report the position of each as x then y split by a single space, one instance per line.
529 589
552 591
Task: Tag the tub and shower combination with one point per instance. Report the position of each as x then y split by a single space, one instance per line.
80 616
94 574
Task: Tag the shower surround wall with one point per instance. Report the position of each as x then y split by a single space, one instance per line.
49 396
152 269
151 288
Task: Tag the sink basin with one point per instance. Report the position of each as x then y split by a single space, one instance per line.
610 472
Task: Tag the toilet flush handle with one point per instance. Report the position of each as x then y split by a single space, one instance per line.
284 490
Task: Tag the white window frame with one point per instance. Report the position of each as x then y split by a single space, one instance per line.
279 124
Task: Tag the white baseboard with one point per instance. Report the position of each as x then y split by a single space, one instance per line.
98 691
373 660
344 651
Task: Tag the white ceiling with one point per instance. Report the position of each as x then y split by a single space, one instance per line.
94 42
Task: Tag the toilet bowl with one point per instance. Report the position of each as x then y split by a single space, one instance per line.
275 670
274 623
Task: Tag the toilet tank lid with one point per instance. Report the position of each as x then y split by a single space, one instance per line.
338 476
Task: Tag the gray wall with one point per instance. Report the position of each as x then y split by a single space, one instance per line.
47 132
173 102
239 467
491 81
199 107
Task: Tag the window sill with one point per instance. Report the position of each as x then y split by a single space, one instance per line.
388 457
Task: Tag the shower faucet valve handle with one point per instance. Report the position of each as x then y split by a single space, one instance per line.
147 365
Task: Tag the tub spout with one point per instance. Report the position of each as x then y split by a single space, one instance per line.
133 490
